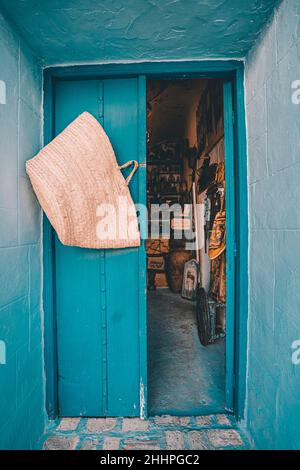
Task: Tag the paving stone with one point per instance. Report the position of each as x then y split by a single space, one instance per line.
142 444
224 438
174 440
185 421
134 424
197 440
166 420
68 424
204 420
89 444
170 432
223 420
111 443
61 443
98 425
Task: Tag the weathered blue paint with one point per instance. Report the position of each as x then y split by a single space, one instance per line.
230 241
121 121
222 69
143 223
274 257
2 352
50 327
2 92
86 30
97 292
78 286
21 375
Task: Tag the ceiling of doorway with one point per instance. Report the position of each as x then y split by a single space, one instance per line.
76 31
172 105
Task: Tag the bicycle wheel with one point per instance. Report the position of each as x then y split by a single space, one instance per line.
203 317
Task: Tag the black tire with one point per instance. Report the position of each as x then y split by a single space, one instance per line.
203 317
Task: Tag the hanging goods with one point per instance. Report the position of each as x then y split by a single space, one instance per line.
220 173
218 278
207 175
79 185
217 242
210 308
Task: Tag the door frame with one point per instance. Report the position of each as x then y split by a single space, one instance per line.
229 70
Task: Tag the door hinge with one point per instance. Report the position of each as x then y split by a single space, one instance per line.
100 108
235 250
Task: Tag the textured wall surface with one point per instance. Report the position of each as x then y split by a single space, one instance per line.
92 30
274 175
21 377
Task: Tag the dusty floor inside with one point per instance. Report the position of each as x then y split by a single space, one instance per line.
159 433
185 377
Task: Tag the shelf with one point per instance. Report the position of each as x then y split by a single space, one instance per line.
157 196
165 162
170 194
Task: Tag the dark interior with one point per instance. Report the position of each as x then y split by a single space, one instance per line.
185 149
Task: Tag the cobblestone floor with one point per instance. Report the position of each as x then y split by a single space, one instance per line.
158 433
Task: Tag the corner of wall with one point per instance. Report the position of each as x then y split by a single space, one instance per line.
273 164
22 385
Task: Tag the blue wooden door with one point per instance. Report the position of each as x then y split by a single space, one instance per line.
100 294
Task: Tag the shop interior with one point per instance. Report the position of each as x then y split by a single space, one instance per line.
186 278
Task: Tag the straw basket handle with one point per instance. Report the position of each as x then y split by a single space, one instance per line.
135 167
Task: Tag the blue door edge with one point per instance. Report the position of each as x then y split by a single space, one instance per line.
229 70
48 287
142 127
230 244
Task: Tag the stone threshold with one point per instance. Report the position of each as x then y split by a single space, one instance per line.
212 432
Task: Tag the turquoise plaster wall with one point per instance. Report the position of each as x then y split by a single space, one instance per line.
273 122
69 31
21 372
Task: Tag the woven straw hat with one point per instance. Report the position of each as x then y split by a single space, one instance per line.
79 185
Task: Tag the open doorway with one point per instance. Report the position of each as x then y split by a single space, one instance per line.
186 264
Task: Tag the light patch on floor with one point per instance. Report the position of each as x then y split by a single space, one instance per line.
184 376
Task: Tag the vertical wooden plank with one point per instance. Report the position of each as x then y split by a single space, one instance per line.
99 294
79 293
230 242
241 242
142 279
79 333
122 266
50 332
